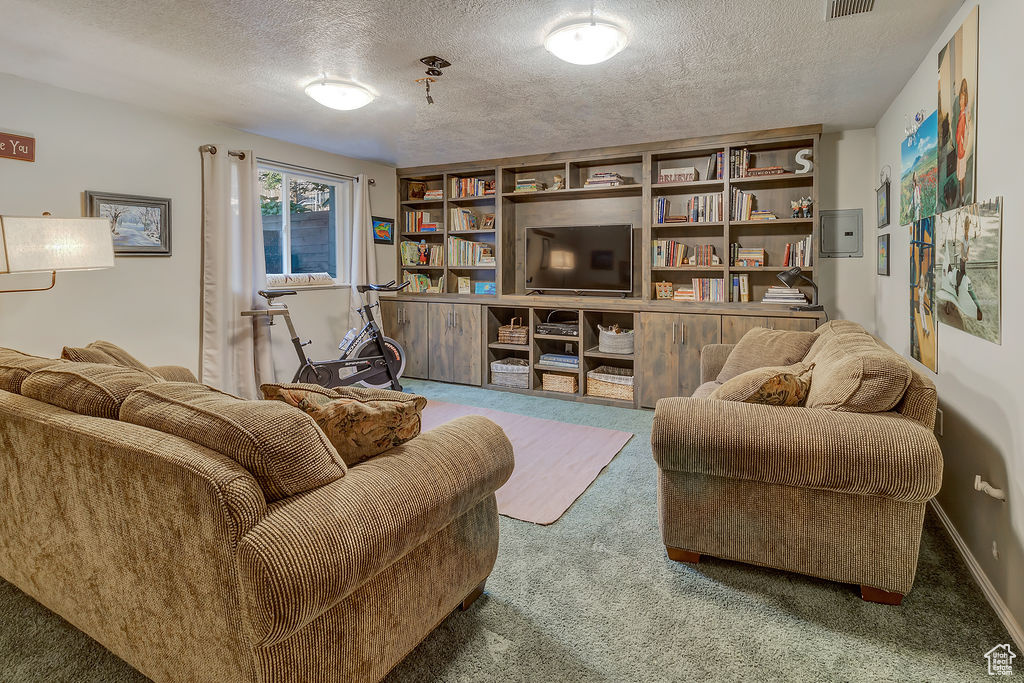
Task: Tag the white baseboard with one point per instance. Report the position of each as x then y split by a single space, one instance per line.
1000 608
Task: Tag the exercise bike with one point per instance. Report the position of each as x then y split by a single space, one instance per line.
367 356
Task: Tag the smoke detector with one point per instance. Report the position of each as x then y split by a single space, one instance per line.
837 9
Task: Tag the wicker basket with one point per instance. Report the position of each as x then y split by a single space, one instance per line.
564 384
514 334
511 372
609 382
609 342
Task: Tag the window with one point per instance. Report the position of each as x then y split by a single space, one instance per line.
309 235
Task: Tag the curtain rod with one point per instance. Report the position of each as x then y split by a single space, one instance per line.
212 149
306 169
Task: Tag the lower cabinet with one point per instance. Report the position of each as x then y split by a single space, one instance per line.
454 352
735 326
669 353
406 323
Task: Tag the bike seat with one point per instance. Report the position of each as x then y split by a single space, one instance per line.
271 295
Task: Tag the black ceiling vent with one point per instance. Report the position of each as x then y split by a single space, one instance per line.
837 9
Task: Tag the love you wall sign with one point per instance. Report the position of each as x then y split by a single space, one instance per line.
17 147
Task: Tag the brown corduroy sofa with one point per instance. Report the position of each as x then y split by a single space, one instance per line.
170 555
832 494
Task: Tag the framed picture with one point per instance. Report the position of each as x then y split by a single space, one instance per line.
383 230
141 225
882 204
883 254
416 189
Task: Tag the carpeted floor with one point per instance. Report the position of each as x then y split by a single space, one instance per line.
594 598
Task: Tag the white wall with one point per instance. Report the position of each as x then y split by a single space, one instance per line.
148 305
980 384
848 284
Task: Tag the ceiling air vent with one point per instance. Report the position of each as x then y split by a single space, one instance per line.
837 9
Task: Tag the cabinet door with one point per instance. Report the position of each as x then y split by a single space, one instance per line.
658 357
466 344
440 321
391 320
793 324
695 332
735 326
412 317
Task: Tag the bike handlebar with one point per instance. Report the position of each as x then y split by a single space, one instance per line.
389 287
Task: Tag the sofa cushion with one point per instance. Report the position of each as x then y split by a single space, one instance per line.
705 390
95 389
761 347
108 354
361 423
15 366
282 447
853 373
826 332
772 386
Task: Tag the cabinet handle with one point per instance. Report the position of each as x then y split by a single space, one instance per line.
673 333
682 334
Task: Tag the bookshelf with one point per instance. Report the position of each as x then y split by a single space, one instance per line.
647 174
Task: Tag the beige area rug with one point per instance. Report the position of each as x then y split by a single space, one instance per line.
555 461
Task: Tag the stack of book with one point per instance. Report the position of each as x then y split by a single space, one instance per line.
668 253
462 219
467 253
798 253
683 293
767 170
762 215
419 283
419 221
529 185
471 187
741 287
742 205
705 208
603 179
746 257
433 194
559 360
411 255
709 289
783 295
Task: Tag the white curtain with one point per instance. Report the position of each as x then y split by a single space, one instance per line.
362 260
235 351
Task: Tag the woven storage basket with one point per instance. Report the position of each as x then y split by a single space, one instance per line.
514 334
511 372
609 382
609 342
565 384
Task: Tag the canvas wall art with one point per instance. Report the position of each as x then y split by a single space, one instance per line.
882 204
957 116
883 254
383 230
968 269
919 179
141 226
924 344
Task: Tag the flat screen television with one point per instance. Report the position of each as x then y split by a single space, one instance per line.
580 258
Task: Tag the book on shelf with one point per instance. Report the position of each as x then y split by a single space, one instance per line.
739 162
562 360
720 165
464 285
668 253
529 185
683 174
704 255
603 179
746 257
740 287
471 187
798 253
783 295
763 215
742 205
488 221
699 209
419 221
462 220
433 194
683 293
766 171
411 254
709 289
485 287
469 253
420 283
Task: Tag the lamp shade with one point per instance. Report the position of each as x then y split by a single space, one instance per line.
31 244
791 276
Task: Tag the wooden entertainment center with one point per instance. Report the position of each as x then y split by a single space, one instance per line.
453 337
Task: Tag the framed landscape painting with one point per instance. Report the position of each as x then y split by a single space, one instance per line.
141 226
919 179
383 230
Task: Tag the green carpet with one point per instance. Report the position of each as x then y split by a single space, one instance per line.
594 598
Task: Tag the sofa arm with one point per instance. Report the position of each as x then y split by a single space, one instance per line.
175 373
882 454
311 550
712 360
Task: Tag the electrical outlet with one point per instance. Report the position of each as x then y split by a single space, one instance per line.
938 421
995 551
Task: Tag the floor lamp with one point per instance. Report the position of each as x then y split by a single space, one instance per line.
31 244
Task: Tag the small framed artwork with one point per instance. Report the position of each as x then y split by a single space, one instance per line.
141 226
883 254
416 189
383 230
882 201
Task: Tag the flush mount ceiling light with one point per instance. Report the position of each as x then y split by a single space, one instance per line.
339 94
589 42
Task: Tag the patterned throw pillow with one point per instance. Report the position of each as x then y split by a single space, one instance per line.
361 423
775 386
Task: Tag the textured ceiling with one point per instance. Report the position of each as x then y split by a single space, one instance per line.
693 67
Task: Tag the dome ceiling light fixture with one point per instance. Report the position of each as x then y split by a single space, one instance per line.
589 42
338 94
